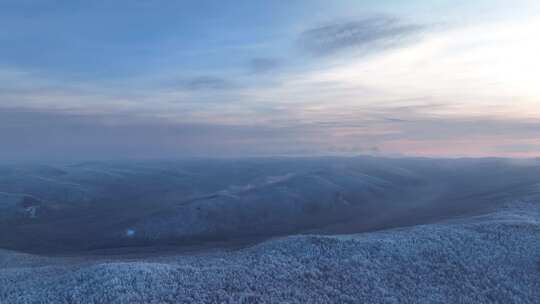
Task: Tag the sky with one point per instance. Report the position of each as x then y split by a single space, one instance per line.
161 79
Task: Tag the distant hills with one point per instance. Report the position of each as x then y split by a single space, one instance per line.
78 207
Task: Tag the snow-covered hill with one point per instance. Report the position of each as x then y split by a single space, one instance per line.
71 207
490 258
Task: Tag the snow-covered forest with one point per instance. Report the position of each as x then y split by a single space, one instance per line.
314 230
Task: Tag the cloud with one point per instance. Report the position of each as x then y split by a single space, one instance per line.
66 134
519 148
369 34
34 134
207 83
263 65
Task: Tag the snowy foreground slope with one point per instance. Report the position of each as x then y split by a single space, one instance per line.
490 258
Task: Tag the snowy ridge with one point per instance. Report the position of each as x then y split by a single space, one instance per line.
493 258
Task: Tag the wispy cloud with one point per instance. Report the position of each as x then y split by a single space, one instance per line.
207 83
368 34
461 89
47 133
263 65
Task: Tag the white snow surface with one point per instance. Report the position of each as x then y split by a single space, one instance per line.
493 258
